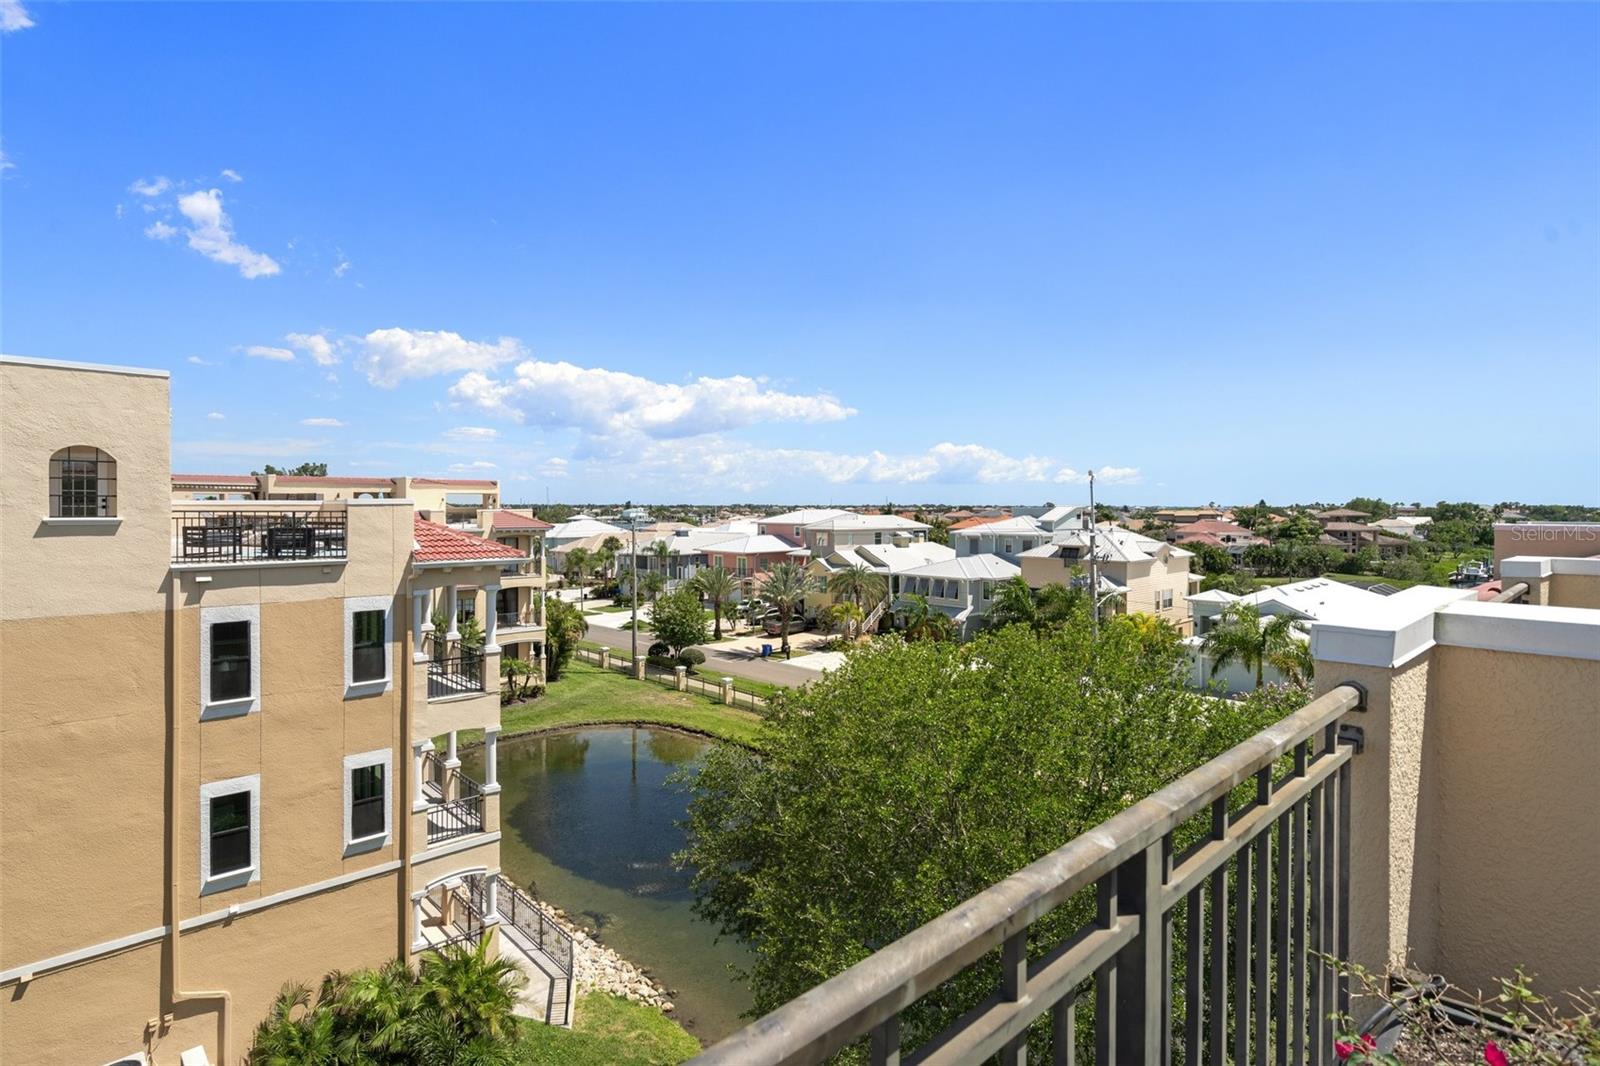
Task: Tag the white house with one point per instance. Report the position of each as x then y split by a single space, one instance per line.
961 587
1005 537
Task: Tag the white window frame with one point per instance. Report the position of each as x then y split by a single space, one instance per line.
377 686
383 757
250 783
209 616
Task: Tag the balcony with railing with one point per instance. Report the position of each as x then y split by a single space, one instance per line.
1222 907
457 674
242 533
455 801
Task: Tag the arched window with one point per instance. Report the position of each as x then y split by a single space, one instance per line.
83 483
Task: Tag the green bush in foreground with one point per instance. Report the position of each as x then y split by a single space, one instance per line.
919 773
455 1010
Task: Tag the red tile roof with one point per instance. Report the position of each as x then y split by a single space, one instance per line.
441 544
1211 525
979 520
512 520
473 481
1201 538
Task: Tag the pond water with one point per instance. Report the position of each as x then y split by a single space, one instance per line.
589 819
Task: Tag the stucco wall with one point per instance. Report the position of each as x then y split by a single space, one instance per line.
1516 816
1575 590
1565 539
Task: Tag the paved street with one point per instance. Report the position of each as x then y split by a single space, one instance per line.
734 664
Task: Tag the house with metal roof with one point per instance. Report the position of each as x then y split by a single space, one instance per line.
961 587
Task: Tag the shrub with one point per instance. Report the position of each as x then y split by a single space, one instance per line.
660 649
691 657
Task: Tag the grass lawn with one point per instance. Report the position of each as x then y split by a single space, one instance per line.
609 1031
587 695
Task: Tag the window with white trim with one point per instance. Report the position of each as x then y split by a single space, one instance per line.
368 800
230 833
368 638
230 660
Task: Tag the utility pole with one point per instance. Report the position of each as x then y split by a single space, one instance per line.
633 579
1094 567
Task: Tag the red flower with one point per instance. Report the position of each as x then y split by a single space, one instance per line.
1494 1056
1370 1041
1344 1049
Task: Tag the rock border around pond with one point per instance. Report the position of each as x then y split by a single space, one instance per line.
598 968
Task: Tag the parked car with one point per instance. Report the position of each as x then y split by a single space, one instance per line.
772 625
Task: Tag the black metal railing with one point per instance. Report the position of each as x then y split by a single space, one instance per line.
455 818
467 921
457 675
517 908
510 619
201 535
1256 910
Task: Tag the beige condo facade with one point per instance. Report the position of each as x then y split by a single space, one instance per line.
228 734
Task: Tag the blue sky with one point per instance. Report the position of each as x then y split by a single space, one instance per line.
828 253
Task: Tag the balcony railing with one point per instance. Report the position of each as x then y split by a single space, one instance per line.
458 675
456 800
516 908
1255 908
206 535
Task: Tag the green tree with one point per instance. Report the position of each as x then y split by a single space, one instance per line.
785 587
564 626
652 584
859 586
472 992
920 622
579 562
1210 558
609 550
303 470
295 1033
662 550
1297 527
897 785
718 586
513 671
371 1009
678 620
1013 604
1242 634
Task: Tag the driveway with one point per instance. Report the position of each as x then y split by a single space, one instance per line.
731 660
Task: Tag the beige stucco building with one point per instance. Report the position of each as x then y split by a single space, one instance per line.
1138 575
218 727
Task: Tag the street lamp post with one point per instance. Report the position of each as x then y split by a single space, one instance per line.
632 514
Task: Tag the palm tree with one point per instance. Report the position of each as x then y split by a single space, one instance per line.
294 1033
652 585
858 585
564 627
470 990
370 1009
609 548
1056 604
923 622
1295 662
1013 604
662 550
786 585
511 669
1243 634
577 566
716 585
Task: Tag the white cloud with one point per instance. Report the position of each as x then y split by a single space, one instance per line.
160 231
329 423
553 467
6 164
197 361
1106 475
472 467
342 267
323 351
263 351
211 234
395 354
13 16
472 433
150 186
231 174
605 402
216 416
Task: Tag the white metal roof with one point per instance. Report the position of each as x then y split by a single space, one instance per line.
865 521
803 516
969 568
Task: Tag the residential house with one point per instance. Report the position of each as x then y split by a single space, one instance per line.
244 789
1138 574
789 524
579 531
1229 536
961 587
1179 516
1353 537
888 560
1412 526
1006 537
840 530
1340 514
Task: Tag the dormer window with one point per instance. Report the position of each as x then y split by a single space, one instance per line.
83 483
